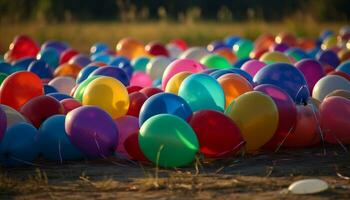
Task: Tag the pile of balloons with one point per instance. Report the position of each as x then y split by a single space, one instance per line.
168 104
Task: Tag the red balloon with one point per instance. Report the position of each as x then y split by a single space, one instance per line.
217 134
179 43
136 101
287 113
38 109
67 55
150 91
335 119
20 87
306 131
133 88
23 46
132 147
156 49
69 105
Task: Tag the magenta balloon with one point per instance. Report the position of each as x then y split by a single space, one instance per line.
180 65
287 113
252 66
312 70
92 130
127 125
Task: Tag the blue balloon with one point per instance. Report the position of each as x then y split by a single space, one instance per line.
53 141
164 103
49 89
117 60
328 57
287 77
313 52
217 74
127 67
19 145
344 67
101 57
208 71
85 72
59 96
98 48
22 64
240 62
113 72
217 44
230 41
50 56
40 68
326 33
157 82
5 68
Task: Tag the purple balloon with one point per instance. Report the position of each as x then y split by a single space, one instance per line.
312 70
3 123
279 47
57 45
80 59
127 126
328 57
92 130
252 66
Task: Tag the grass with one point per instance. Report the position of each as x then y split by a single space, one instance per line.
83 34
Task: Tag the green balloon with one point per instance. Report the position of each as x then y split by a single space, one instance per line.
201 92
215 61
139 63
242 48
78 94
168 141
2 77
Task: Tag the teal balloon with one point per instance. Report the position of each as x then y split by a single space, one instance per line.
201 92
53 141
139 63
50 56
242 48
168 141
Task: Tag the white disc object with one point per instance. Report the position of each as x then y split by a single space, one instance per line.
308 186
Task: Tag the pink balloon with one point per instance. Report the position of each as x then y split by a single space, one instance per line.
312 70
141 79
180 65
252 66
127 126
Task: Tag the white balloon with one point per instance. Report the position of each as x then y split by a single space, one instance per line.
308 186
13 116
173 50
328 84
63 84
195 53
156 66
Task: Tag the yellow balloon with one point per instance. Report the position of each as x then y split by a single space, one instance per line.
273 57
109 94
329 42
174 82
256 115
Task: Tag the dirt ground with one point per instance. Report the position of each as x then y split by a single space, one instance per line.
262 176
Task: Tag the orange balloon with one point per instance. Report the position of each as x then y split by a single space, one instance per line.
306 44
286 38
264 41
344 55
20 87
67 69
234 85
306 131
130 48
228 54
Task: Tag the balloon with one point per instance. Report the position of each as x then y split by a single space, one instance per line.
150 91
340 93
92 131
58 46
328 57
175 81
133 88
166 103
3 76
118 60
79 92
306 131
3 122
109 94
23 46
231 40
179 43
174 51
53 141
80 60
140 63
168 141
329 42
130 48
38 109
127 68
40 68
5 68
217 74
335 115
296 53
136 101
102 57
132 147
59 96
194 53
156 66
98 48
66 69
63 84
215 61
257 128
328 84
344 67
113 72
252 67
287 77
18 146
233 85
279 47
180 65
217 134
156 49
12 116
274 57
286 38
127 125
67 54
227 53
20 87
341 74
50 56
141 79
69 105
215 45
287 114
84 73
208 92
240 62
312 70
242 48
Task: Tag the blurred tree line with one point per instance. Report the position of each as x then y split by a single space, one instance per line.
176 10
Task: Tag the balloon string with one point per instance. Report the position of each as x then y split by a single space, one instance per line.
284 139
24 161
59 151
126 159
339 142
319 129
233 149
300 89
